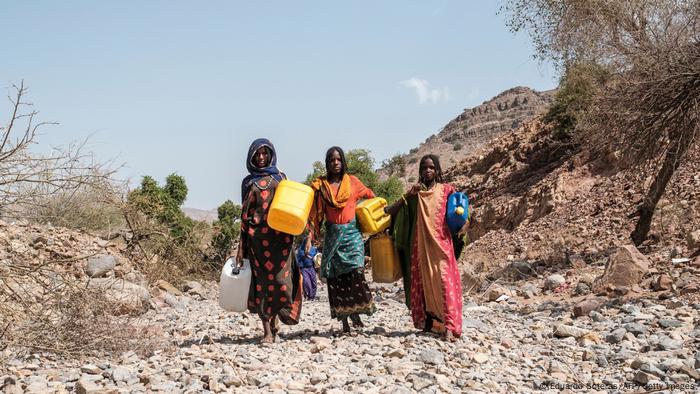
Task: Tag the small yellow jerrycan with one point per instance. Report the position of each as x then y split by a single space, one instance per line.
385 259
290 207
370 214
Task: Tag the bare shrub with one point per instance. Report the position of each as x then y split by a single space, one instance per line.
93 208
28 181
44 307
161 255
649 107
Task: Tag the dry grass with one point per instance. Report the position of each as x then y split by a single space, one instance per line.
161 256
45 308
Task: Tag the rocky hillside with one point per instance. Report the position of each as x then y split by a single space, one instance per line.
537 198
474 128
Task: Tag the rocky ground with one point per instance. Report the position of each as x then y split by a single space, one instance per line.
530 340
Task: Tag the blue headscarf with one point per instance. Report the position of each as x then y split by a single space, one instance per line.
255 173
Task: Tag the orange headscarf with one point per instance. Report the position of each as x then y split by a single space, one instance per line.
323 194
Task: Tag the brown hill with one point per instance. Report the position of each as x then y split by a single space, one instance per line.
472 129
548 202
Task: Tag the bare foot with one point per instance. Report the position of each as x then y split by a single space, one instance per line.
267 339
448 336
356 321
346 326
274 326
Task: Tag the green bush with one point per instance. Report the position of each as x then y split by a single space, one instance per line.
391 189
576 91
456 146
163 204
227 229
361 164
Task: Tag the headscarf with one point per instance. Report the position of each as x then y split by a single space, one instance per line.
255 173
323 194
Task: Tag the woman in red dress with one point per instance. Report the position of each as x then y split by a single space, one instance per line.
275 288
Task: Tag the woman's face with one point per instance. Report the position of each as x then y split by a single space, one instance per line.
427 170
261 159
335 164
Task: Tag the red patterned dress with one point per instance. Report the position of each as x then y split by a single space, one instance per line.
275 288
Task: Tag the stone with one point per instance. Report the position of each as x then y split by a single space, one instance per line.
91 369
651 369
626 267
432 356
397 353
693 240
596 316
194 288
636 328
693 373
86 386
521 270
663 283
480 358
554 281
643 378
163 285
528 291
99 265
122 374
122 292
667 343
564 331
496 292
616 336
232 381
582 288
669 323
585 307
318 377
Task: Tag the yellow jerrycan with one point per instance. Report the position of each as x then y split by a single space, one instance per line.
370 214
290 207
385 259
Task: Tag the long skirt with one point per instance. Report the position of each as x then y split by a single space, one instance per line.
309 275
275 288
349 294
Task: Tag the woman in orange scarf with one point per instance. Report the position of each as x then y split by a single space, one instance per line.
343 260
421 235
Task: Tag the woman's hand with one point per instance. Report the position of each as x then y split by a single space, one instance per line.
239 257
413 190
307 246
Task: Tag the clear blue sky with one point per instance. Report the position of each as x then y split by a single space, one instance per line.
185 86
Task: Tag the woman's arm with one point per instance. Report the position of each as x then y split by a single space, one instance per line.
247 205
394 208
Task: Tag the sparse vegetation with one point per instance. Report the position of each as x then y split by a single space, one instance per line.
577 88
173 245
648 108
227 229
456 146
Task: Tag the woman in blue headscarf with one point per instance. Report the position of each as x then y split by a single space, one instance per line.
275 285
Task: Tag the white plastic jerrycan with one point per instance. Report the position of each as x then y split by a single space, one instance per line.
234 285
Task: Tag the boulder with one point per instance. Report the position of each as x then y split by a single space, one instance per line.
554 281
693 240
99 265
626 267
585 307
119 291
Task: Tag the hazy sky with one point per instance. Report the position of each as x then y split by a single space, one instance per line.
185 86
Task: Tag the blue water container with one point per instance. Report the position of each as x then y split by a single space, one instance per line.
457 211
